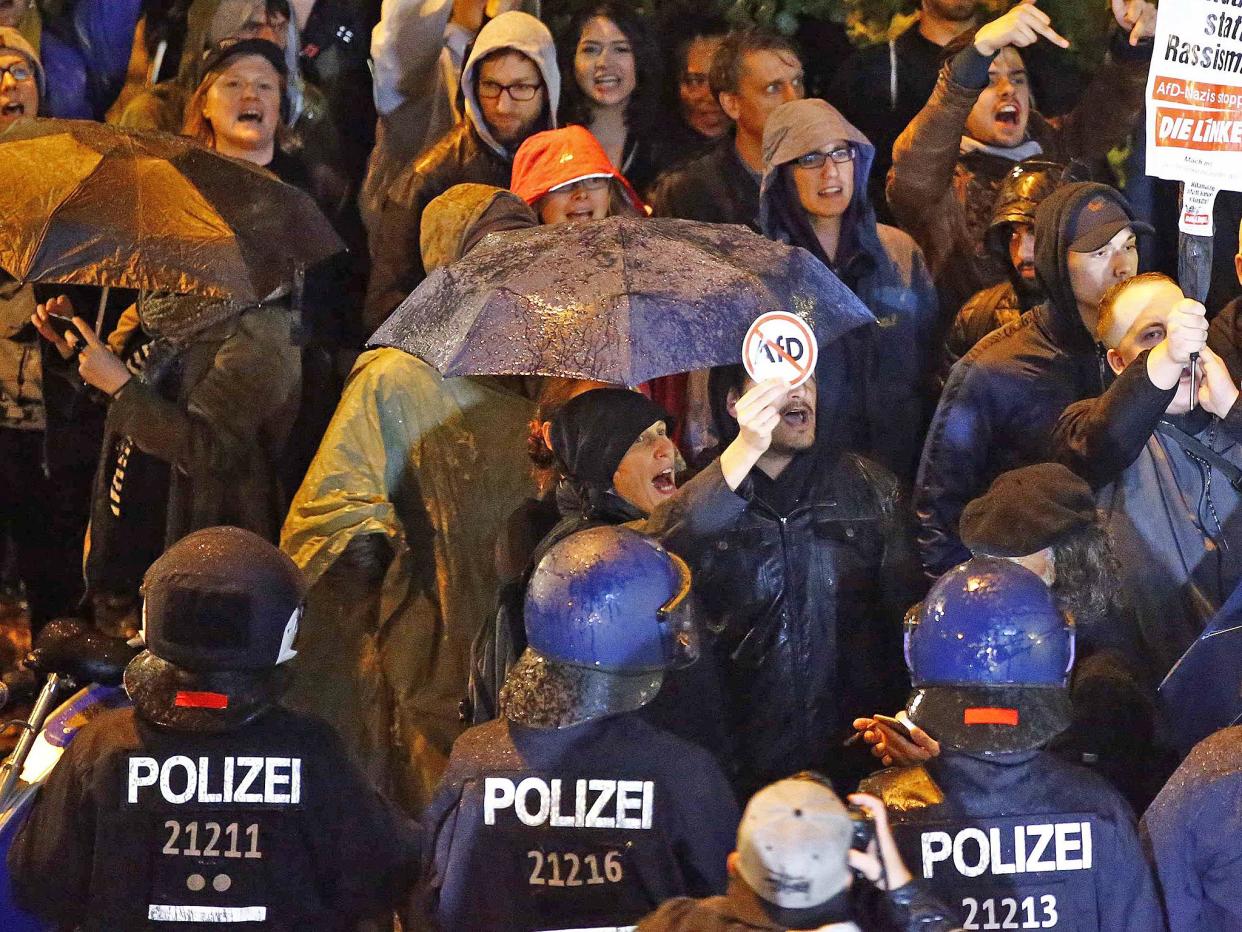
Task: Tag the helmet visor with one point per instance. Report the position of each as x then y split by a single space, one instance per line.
678 619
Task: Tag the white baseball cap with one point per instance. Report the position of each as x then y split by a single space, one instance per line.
793 844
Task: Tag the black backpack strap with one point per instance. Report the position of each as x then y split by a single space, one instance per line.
1197 447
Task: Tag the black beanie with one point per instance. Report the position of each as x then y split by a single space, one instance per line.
593 431
1026 510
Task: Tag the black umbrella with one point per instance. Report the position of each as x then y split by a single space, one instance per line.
621 300
90 204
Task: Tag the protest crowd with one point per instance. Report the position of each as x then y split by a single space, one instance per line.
560 466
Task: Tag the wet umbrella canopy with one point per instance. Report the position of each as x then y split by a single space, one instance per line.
85 203
621 300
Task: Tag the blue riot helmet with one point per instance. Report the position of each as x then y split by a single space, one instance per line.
989 655
610 599
608 611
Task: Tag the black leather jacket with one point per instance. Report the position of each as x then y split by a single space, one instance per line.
807 608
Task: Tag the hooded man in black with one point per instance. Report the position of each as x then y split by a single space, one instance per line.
1003 398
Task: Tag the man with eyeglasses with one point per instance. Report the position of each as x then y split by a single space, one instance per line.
752 73
511 87
21 78
815 195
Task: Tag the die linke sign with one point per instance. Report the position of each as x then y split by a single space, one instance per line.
1194 104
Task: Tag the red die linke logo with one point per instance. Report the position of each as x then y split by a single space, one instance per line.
780 345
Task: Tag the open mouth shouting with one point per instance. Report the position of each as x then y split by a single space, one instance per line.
664 482
12 108
253 115
796 416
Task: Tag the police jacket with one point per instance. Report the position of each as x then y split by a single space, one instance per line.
1003 398
270 825
1023 841
582 827
807 591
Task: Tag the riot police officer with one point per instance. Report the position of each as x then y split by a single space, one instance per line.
1012 836
207 804
569 811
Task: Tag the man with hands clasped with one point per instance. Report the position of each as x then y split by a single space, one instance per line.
1168 466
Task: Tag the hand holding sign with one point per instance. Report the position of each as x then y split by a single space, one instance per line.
758 412
780 345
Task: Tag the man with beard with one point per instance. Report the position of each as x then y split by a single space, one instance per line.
1003 398
1011 239
511 88
949 162
807 591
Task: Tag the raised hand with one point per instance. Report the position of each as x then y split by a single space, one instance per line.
1021 26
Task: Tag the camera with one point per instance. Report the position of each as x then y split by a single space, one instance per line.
864 828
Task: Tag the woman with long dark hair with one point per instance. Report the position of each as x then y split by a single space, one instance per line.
616 88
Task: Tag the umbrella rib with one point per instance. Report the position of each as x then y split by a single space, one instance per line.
43 231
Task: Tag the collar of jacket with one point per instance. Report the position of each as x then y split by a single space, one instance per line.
1064 331
592 502
741 904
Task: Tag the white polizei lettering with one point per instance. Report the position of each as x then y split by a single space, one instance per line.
524 790
157 912
625 803
143 771
242 794
1043 835
497 794
998 854
937 846
203 795
1041 848
1066 846
273 778
184 780
165 780
959 855
606 789
558 820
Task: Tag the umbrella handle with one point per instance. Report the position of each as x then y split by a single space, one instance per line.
103 306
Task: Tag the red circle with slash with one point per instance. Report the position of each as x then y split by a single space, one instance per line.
780 345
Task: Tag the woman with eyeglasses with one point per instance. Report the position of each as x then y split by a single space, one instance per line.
616 88
566 176
814 195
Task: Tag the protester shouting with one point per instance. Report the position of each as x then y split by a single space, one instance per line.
806 590
815 195
565 175
949 162
619 465
512 89
616 87
753 72
1002 398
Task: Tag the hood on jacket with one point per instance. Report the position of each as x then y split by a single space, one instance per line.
557 157
1052 241
455 221
1020 195
794 129
12 41
520 32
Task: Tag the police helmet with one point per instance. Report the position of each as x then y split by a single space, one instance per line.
222 599
610 599
989 656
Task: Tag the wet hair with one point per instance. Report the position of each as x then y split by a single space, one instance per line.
720 381
555 394
199 128
1087 585
642 112
1108 303
727 63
